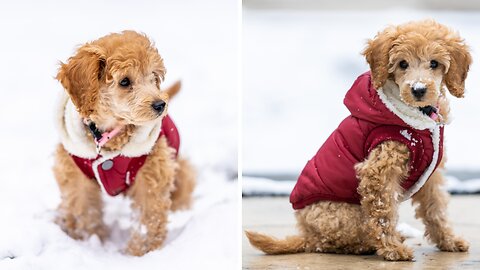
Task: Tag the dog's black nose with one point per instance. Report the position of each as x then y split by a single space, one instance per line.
419 92
159 106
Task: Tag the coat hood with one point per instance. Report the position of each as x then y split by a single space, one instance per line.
383 106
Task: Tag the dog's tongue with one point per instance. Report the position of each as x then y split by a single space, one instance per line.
430 111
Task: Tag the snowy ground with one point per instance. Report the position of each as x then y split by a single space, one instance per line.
297 67
198 41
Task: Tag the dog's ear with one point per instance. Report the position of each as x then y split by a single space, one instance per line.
377 55
460 61
81 76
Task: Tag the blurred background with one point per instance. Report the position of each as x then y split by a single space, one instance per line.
300 58
199 43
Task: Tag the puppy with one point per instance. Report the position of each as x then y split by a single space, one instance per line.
388 150
116 137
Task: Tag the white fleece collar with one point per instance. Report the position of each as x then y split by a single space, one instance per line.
76 140
390 96
436 137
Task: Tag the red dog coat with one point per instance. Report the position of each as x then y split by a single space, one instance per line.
116 175
330 174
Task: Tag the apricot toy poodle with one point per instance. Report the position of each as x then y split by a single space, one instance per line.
388 150
116 137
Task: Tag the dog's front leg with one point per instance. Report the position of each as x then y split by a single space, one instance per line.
80 213
151 200
380 176
432 205
151 217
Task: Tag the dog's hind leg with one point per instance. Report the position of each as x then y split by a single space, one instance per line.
80 211
183 185
380 176
432 205
327 227
333 227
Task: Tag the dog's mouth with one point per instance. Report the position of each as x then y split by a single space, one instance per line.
430 111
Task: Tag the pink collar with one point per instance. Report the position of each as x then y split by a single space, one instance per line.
106 136
101 138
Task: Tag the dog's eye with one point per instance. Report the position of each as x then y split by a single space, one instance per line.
403 64
125 82
433 64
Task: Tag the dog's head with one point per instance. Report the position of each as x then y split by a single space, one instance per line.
115 80
420 57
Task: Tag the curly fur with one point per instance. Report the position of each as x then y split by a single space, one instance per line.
80 210
370 227
91 79
425 40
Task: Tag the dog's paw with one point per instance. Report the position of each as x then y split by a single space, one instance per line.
140 244
68 224
101 231
81 230
455 244
401 253
135 248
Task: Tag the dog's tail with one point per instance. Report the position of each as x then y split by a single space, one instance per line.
173 89
271 245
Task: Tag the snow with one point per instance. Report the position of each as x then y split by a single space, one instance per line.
36 36
418 85
259 186
299 64
408 231
463 187
406 134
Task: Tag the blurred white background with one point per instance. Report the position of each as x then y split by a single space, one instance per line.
300 58
198 40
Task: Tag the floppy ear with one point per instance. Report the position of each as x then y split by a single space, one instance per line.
460 60
81 75
377 55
